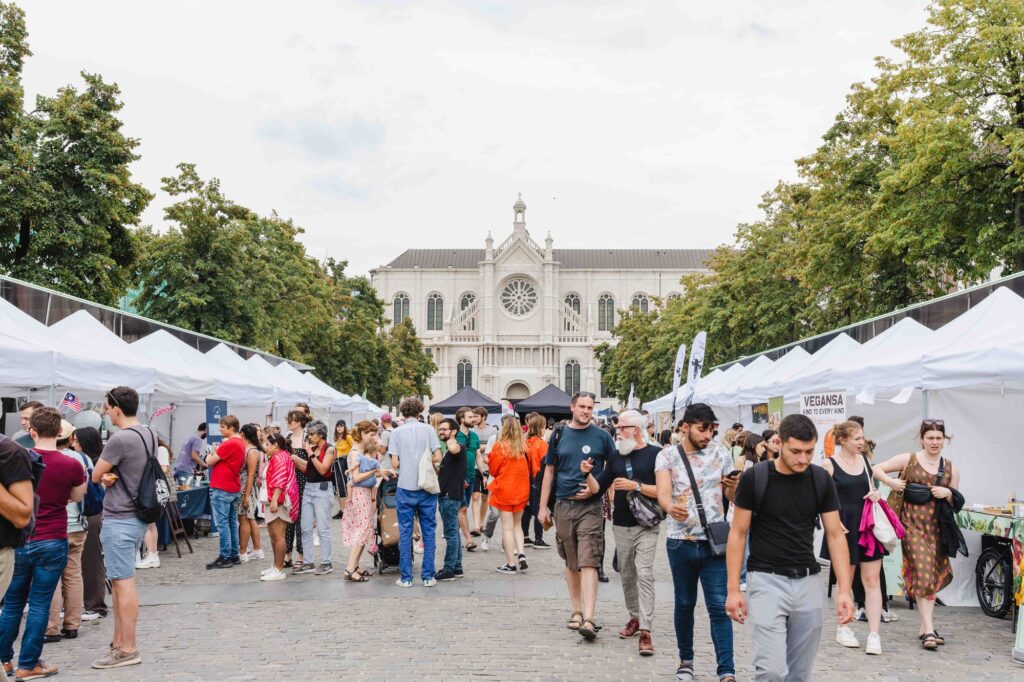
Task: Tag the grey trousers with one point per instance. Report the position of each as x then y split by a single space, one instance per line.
636 547
786 616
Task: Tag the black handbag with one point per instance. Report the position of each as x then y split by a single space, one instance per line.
646 511
717 533
918 493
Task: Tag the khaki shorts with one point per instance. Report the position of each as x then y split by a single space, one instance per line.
579 532
281 514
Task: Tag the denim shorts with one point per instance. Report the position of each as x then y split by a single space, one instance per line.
121 540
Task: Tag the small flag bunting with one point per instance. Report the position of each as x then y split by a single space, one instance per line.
162 411
72 402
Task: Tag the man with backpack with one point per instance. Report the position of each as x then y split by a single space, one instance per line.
39 563
122 469
779 502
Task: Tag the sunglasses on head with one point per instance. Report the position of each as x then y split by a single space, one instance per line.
585 394
934 424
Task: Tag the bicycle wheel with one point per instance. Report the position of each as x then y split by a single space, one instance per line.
994 581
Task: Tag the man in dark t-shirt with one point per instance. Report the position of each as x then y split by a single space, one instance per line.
452 480
16 501
39 564
783 587
582 449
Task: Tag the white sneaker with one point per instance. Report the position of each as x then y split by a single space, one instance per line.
151 561
268 570
417 547
273 575
889 616
244 557
874 646
485 544
89 615
845 636
257 554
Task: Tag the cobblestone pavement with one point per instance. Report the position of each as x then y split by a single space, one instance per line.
196 624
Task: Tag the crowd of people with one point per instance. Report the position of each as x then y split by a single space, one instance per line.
739 513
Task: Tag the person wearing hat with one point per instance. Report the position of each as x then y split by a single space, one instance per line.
70 593
38 565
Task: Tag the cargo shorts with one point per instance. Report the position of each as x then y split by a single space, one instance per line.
579 532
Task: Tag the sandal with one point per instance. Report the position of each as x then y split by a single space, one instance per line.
471 547
938 638
928 641
589 632
575 620
356 577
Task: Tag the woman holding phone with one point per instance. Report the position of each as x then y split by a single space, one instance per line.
363 472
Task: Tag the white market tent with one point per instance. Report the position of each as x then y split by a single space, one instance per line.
969 372
761 366
664 403
232 362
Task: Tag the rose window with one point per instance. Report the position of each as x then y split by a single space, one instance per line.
519 297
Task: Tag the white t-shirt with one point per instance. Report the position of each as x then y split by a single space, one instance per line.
163 457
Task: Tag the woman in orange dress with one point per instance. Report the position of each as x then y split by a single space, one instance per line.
925 566
510 490
536 449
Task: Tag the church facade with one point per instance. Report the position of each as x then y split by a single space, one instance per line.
512 318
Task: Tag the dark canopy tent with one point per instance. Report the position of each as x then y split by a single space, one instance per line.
549 401
467 397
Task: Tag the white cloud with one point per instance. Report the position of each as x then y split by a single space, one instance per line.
380 126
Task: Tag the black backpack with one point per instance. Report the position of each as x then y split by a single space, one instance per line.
760 473
556 436
154 490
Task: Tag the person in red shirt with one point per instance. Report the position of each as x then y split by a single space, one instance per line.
39 563
225 489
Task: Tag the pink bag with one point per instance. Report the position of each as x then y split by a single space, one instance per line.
868 541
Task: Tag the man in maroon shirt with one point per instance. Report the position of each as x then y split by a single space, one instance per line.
39 564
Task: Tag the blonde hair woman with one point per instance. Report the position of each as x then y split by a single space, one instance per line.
510 490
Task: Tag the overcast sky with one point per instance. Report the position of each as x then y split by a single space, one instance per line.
383 125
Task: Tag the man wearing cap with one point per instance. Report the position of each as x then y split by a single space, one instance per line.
386 427
690 556
70 593
39 564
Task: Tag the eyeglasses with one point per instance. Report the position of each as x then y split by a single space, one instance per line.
628 426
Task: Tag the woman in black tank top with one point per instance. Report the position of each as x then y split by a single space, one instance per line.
854 484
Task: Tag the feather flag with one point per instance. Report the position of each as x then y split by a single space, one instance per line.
677 377
695 366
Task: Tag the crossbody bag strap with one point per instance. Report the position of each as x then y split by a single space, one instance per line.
696 492
941 472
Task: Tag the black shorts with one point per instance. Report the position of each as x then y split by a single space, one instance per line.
338 476
478 483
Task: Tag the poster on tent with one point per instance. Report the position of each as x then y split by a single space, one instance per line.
825 410
759 413
215 411
776 407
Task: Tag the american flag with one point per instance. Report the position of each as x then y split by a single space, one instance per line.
72 402
162 411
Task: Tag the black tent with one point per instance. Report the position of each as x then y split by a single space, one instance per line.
549 401
467 397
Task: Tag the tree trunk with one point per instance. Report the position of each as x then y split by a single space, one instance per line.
24 238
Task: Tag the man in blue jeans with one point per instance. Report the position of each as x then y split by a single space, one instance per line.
225 489
452 479
689 553
409 443
39 563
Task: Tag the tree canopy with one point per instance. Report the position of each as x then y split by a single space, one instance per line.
917 186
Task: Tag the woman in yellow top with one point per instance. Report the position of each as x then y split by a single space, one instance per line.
342 445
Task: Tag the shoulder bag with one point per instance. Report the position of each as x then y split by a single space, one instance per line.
646 511
717 533
427 476
896 498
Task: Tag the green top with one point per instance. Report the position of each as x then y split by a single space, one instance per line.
470 443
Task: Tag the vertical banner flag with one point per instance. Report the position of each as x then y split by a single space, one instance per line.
631 402
215 410
677 378
695 366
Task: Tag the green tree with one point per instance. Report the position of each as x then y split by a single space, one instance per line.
410 367
68 198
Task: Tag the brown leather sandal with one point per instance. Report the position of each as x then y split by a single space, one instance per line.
575 620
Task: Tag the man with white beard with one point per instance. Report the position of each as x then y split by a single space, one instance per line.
631 469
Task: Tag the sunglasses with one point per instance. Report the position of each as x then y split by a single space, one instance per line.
934 424
585 394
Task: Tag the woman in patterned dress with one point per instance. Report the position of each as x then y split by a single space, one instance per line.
296 423
925 566
357 524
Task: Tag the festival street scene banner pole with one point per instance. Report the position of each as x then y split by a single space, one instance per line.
677 375
695 366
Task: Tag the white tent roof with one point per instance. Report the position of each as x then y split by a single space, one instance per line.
664 403
232 362
792 382
172 379
229 385
709 385
747 392
338 399
761 366
286 384
25 365
869 366
985 345
72 366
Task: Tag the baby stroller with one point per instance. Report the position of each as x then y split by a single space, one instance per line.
387 554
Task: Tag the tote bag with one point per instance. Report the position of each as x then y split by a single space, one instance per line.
427 476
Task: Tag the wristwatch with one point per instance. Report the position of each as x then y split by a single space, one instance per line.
639 488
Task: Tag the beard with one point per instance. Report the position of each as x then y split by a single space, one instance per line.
625 446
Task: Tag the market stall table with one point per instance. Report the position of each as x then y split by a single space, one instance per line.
193 504
1000 565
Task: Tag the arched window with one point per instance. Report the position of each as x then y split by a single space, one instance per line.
435 312
674 296
466 301
464 375
641 303
572 377
573 301
605 313
401 308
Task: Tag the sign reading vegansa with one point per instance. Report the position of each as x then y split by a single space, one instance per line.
825 410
